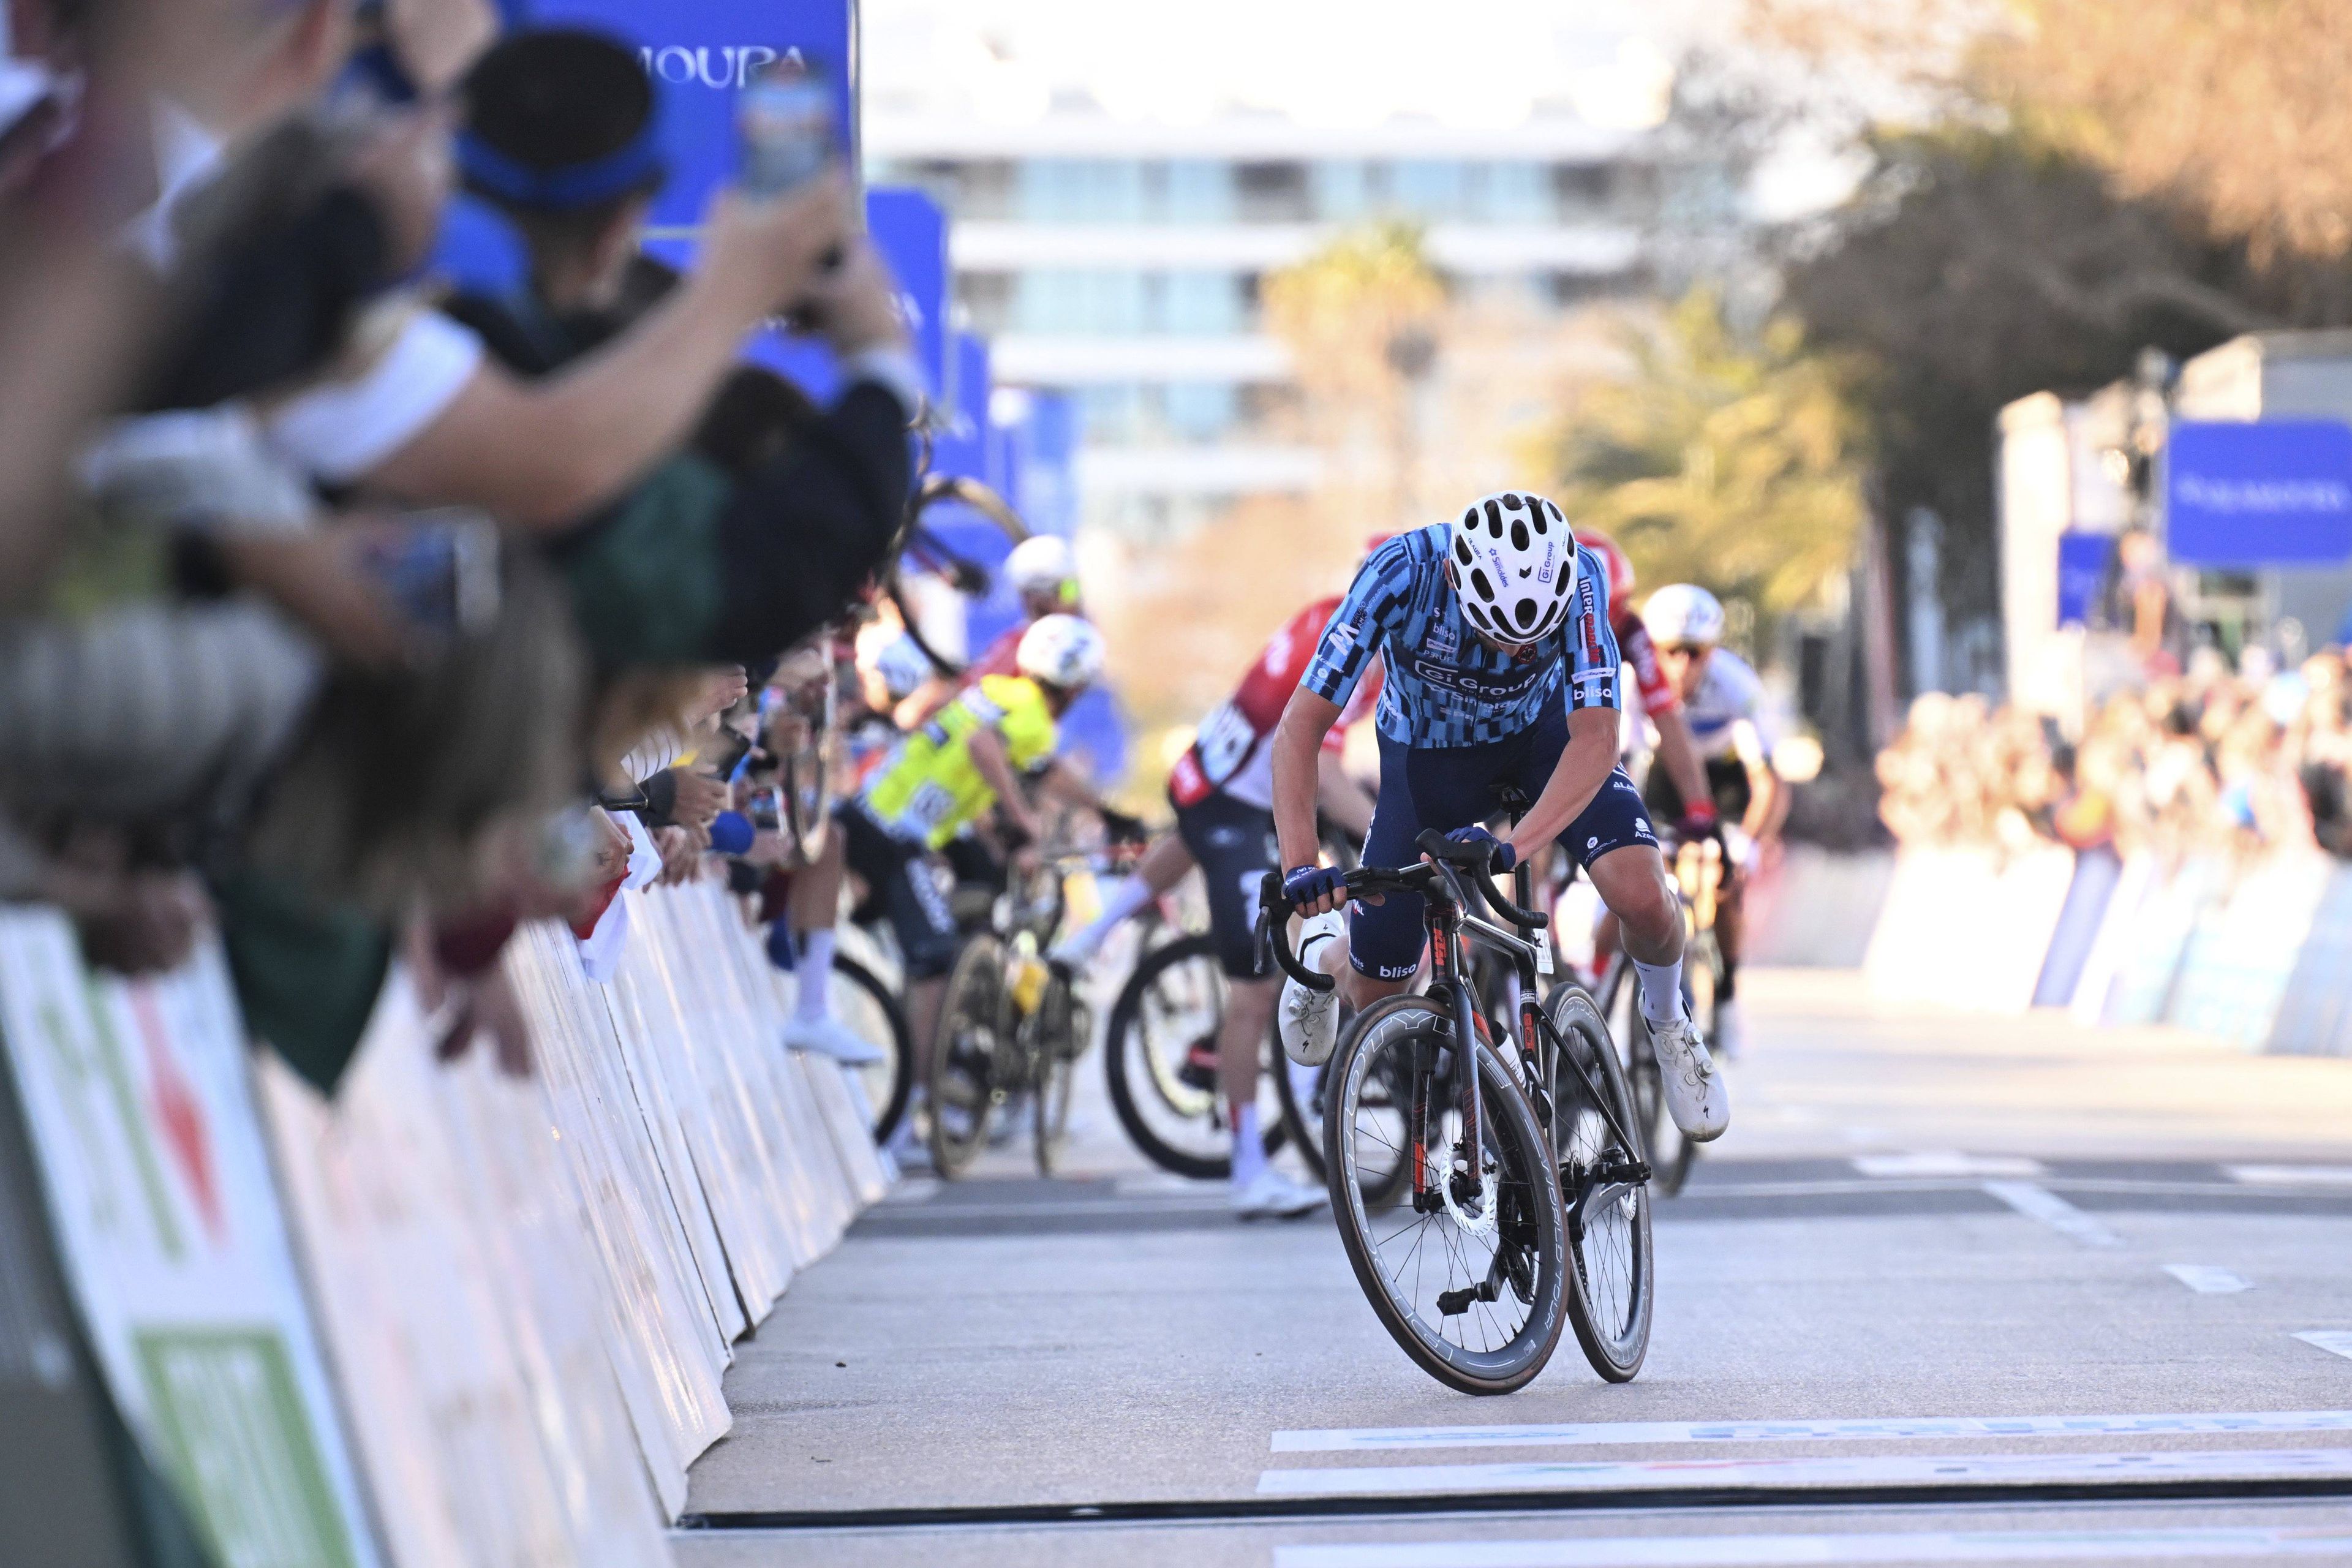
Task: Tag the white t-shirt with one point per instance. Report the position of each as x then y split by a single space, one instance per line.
1730 714
339 431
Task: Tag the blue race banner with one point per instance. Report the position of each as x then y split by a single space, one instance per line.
2083 562
2265 494
911 232
700 54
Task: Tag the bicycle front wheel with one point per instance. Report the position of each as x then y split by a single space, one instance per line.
975 1052
1470 1282
867 1006
1058 1035
1160 1062
1596 1137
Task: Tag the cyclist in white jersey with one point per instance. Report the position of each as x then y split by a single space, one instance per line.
1731 723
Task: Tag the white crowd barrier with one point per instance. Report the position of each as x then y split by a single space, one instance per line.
449 1318
2254 948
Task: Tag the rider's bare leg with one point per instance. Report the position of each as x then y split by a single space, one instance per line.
1633 882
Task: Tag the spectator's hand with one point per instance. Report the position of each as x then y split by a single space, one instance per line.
681 853
489 1003
767 252
855 305
139 921
700 798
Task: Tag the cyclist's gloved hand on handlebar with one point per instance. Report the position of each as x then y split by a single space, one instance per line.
1311 890
1500 856
1698 821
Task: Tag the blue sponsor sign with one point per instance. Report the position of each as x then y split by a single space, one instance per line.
2274 493
2083 562
911 232
700 54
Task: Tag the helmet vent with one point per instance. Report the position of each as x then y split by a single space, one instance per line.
1478 581
1519 534
1462 546
1494 520
1526 613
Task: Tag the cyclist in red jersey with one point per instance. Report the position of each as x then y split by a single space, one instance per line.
1223 793
1677 752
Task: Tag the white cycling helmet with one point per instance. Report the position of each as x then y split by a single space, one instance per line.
1042 565
1061 651
1683 613
1513 562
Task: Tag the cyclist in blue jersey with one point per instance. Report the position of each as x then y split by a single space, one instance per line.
1501 671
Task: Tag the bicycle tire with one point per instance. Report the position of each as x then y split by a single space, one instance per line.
1053 1048
1127 1059
1528 1189
1612 1286
895 1078
974 1051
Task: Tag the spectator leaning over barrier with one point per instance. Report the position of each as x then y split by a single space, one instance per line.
670 559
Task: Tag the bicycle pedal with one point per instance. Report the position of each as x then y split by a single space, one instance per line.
1454 1303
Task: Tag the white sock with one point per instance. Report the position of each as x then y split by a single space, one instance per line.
813 977
1125 899
1249 1146
1661 990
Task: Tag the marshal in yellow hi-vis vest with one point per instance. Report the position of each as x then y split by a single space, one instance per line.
927 789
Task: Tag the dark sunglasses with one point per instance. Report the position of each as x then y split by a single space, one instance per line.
1687 650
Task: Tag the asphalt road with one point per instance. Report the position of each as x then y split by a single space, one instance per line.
1953 1290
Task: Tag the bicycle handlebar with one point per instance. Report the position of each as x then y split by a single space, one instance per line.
1472 859
1274 934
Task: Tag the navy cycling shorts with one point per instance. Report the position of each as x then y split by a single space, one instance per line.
1234 841
1455 786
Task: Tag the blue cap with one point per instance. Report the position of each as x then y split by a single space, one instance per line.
731 834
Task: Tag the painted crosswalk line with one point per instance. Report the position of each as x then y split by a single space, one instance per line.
1796 1550
2336 1341
2290 1175
1853 1471
1859 1429
2207 1279
2039 1202
1946 1163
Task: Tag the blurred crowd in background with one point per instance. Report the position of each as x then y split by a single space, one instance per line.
357 618
2211 758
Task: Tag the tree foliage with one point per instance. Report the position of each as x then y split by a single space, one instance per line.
1730 460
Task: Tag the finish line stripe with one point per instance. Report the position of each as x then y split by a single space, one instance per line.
1929 1470
1594 1434
2042 1204
1789 1550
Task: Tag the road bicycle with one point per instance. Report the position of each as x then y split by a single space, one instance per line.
1483 1208
1013 1024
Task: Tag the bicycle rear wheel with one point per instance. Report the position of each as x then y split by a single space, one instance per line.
1159 1063
975 1052
1473 1288
867 1006
1610 1298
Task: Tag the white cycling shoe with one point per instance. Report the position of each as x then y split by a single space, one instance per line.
831 1037
1696 1095
1077 950
1309 1020
1272 1195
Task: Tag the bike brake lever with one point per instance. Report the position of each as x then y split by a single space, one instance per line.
1274 934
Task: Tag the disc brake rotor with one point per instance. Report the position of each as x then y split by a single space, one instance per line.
1481 1224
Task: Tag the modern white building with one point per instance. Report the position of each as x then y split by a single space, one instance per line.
1111 230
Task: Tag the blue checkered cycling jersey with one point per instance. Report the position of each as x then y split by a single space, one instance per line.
1445 687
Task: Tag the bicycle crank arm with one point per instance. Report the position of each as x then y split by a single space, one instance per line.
1454 1303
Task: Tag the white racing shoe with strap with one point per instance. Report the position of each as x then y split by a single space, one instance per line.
1272 1195
829 1037
1696 1095
1309 1019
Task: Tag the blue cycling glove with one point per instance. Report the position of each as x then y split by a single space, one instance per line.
1499 854
1309 884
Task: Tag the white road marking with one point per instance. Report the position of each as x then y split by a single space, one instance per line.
1864 1429
1782 1551
2042 1204
2336 1341
1948 1162
913 1190
2208 1280
1862 1469
2290 1176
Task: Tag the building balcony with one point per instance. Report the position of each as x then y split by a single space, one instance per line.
1035 359
1471 249
1106 473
